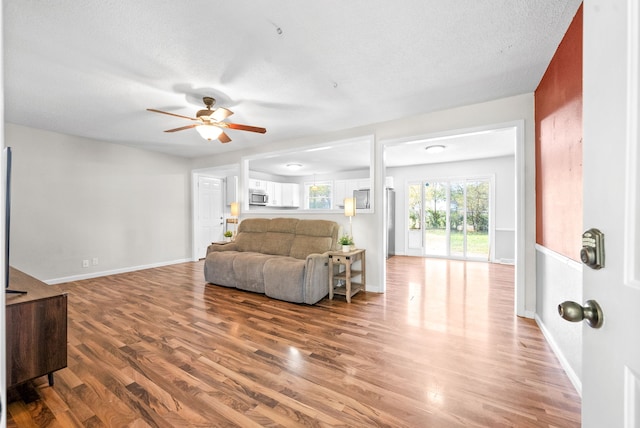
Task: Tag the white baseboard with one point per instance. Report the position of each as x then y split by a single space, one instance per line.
528 314
573 377
111 272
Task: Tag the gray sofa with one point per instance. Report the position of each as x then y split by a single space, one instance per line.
284 258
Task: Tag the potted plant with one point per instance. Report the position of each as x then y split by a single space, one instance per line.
346 241
228 234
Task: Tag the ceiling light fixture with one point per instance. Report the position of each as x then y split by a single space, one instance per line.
209 132
294 166
434 149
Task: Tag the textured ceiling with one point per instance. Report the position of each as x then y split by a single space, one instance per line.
91 68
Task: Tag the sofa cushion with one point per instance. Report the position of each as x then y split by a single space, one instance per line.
284 225
218 268
283 279
249 241
317 228
248 271
304 245
314 236
251 234
279 236
277 243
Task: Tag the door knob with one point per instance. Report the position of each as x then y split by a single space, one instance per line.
591 312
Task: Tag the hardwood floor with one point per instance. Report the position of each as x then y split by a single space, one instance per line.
442 348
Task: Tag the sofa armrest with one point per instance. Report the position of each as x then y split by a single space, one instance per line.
226 246
316 278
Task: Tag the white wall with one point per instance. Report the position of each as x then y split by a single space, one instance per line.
560 279
76 199
371 226
503 168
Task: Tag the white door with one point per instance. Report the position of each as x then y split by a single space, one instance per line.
611 354
210 219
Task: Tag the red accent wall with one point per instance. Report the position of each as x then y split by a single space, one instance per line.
558 118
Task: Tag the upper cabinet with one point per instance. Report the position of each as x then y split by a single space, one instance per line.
282 195
290 195
257 184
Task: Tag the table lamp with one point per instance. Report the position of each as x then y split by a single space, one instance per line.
235 212
350 211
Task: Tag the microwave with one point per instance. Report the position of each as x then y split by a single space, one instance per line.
258 197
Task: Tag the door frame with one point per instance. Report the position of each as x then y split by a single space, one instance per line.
520 289
220 172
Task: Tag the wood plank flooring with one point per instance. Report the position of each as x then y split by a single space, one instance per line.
441 348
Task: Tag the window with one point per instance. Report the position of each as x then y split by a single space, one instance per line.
318 195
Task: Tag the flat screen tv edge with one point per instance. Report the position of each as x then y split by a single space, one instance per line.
6 159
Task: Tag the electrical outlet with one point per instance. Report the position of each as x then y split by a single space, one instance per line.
94 261
85 263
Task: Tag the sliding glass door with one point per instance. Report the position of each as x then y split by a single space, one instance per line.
450 218
435 218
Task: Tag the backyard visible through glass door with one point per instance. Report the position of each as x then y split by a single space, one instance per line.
450 218
435 218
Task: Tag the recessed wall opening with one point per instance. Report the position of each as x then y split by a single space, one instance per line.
462 201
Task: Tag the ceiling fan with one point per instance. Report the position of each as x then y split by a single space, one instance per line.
210 123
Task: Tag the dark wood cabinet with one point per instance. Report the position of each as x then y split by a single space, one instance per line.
36 329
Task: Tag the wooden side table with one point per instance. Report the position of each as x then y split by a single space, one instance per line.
347 259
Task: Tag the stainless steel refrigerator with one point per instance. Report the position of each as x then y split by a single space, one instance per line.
391 222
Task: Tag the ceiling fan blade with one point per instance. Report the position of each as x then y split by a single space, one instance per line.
224 138
245 127
171 114
182 128
220 114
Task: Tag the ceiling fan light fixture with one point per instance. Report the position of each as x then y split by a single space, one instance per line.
435 149
209 132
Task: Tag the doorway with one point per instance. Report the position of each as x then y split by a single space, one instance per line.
459 167
211 205
210 216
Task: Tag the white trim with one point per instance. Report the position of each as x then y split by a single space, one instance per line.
631 274
631 398
528 314
520 300
573 377
113 272
194 213
213 172
562 259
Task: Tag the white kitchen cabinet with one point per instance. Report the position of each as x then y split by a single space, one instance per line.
257 184
290 194
363 183
339 193
274 190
